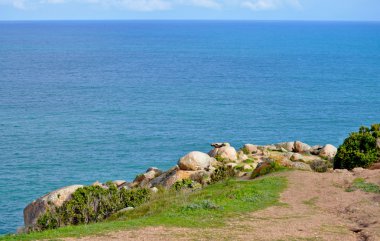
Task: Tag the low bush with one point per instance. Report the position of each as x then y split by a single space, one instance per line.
91 204
359 149
186 184
221 173
319 166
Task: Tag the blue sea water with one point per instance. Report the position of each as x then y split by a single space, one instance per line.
105 100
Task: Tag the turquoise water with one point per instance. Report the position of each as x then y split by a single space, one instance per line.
87 101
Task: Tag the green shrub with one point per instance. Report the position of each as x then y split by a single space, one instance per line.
359 149
249 161
245 151
186 184
91 204
319 165
221 173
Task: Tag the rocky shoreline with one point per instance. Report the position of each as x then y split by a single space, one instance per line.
199 167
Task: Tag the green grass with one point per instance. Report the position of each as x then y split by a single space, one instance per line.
360 183
208 207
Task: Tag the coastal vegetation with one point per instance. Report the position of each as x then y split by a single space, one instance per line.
201 208
360 149
199 187
91 204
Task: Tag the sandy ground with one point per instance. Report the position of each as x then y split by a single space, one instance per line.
315 207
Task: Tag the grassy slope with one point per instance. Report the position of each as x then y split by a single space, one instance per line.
208 207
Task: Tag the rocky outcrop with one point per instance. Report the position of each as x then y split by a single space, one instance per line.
328 151
194 161
53 199
199 167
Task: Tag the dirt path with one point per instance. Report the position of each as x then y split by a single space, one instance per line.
316 207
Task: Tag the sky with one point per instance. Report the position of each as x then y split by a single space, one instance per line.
320 10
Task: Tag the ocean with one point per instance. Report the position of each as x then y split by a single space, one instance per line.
82 101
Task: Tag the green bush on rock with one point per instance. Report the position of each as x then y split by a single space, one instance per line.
91 204
359 149
222 173
186 184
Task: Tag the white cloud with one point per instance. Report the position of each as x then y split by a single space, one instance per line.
207 4
257 5
161 5
19 4
144 5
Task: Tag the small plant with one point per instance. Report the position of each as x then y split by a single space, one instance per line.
319 166
360 183
249 161
221 173
240 167
205 204
221 159
359 149
185 184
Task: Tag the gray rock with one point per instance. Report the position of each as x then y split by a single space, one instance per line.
143 180
220 144
316 149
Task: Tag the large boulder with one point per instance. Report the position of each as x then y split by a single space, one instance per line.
225 152
194 161
378 143
250 148
301 147
328 151
288 146
53 199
